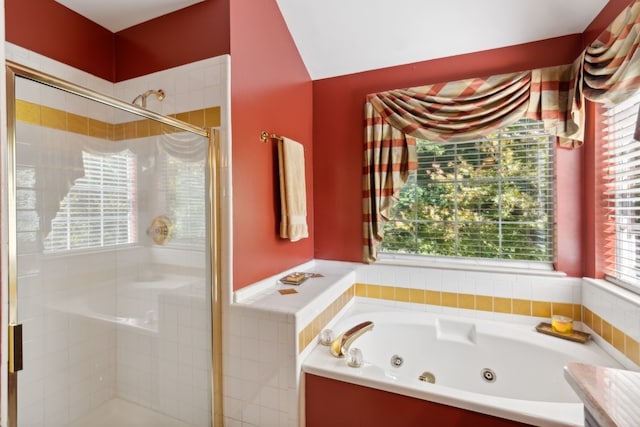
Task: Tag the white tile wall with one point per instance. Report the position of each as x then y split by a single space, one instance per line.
77 356
617 306
554 287
194 86
542 287
260 387
262 362
168 369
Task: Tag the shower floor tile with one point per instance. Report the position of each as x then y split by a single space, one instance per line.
118 412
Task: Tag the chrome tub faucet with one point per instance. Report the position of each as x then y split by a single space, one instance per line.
340 346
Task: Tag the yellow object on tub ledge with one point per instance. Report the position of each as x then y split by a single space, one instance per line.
562 324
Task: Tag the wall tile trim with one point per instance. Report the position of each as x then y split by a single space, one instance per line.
42 115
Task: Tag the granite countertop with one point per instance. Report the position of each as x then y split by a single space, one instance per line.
610 395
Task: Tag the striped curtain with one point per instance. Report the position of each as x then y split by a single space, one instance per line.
554 100
390 155
454 111
607 71
611 64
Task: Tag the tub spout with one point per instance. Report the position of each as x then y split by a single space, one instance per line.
340 346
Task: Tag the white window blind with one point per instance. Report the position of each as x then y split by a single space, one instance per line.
488 198
621 171
184 186
99 210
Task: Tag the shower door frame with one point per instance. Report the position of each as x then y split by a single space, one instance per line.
14 331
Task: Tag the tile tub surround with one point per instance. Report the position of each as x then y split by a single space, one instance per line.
270 334
500 296
488 303
612 314
264 339
310 332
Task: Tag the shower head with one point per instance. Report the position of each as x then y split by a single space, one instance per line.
143 97
159 94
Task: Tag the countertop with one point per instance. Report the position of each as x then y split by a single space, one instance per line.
610 395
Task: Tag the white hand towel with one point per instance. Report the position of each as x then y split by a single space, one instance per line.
293 192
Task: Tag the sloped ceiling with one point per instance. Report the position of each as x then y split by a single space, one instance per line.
338 37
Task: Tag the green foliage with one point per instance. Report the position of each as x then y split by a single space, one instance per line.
488 199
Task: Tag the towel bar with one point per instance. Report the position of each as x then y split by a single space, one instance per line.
265 136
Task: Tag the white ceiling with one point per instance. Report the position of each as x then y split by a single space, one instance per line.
338 37
116 15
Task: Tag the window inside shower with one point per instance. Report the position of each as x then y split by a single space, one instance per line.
116 322
99 209
184 185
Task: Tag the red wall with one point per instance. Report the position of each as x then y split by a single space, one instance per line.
197 32
592 188
52 30
191 34
338 107
272 91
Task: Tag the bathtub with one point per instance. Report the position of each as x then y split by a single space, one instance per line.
500 369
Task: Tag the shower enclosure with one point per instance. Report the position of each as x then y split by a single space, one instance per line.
113 251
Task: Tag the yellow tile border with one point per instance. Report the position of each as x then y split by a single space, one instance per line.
614 336
313 328
41 115
502 305
523 307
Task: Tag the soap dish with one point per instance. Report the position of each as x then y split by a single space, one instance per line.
576 336
295 278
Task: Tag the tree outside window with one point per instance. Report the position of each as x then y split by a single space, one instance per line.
488 198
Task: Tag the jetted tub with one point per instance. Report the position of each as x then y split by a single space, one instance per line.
495 368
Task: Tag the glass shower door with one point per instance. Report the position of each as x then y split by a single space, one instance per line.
112 281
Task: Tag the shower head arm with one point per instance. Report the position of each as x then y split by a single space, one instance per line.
143 97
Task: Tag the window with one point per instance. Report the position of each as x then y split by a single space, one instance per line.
489 198
621 200
185 191
98 211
